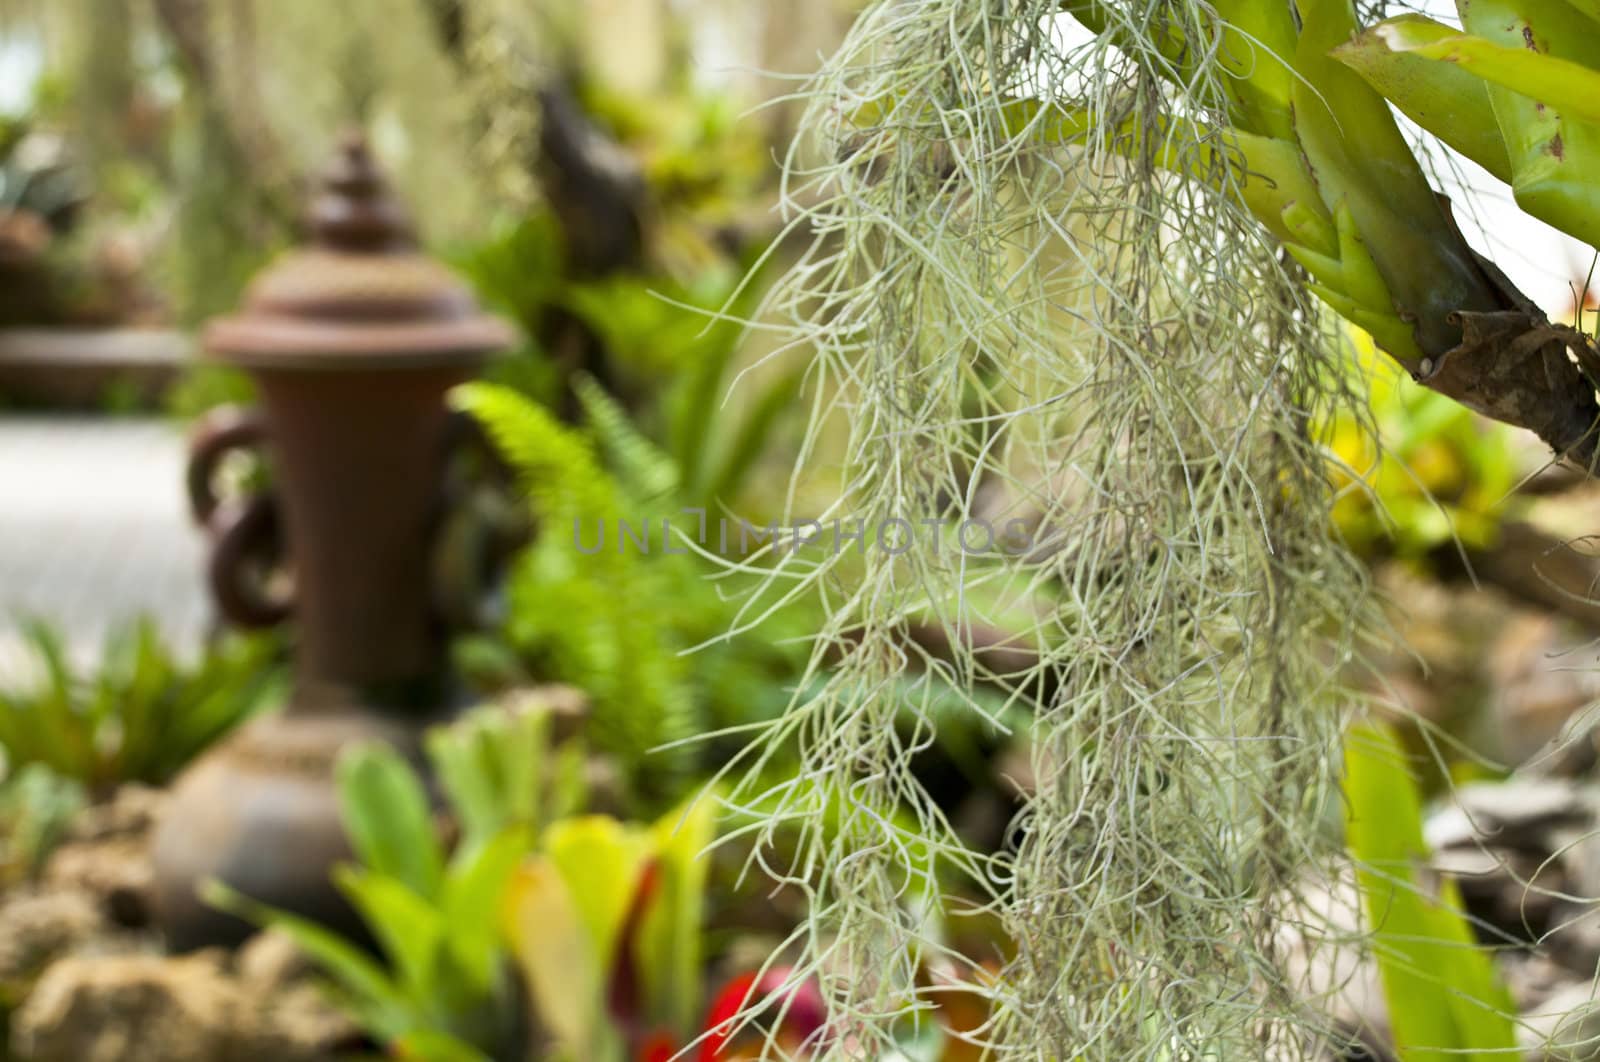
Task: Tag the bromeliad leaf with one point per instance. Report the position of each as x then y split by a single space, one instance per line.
1444 1000
601 859
1554 154
433 1046
1570 87
472 892
388 819
1442 98
409 928
556 952
669 938
1362 162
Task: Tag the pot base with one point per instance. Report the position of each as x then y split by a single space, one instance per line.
260 812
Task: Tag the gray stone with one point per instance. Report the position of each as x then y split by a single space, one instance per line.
188 1009
124 1009
36 928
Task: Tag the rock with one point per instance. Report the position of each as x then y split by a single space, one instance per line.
132 811
116 870
301 1023
297 1018
36 928
269 961
1516 849
1509 813
184 1009
568 707
1531 978
1564 1028
135 1007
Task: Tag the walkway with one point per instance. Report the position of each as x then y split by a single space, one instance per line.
94 531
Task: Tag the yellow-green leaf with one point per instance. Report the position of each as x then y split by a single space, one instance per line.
601 861
1362 162
1442 98
1554 155
556 952
1445 1004
1570 87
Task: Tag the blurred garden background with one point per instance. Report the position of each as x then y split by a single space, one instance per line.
537 878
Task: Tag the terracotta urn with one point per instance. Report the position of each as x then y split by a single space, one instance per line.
353 343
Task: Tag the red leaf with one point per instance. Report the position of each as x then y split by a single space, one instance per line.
801 1006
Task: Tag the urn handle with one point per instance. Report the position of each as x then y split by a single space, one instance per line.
482 524
247 546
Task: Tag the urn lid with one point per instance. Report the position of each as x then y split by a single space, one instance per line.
360 295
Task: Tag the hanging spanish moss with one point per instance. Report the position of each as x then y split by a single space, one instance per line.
1013 329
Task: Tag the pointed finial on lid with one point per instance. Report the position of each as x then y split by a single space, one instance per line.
354 210
362 294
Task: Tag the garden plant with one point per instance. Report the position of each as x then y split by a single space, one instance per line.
1073 376
1081 278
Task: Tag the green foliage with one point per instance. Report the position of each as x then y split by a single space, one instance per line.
672 343
516 270
688 336
36 806
498 769
445 991
1444 999
615 621
1515 90
588 619
1416 470
142 715
696 153
600 915
205 386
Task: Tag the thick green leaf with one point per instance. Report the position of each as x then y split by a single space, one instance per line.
1443 999
601 861
1362 162
1257 53
1590 8
473 891
462 762
1554 154
387 817
522 756
1570 87
433 1046
569 781
1442 98
410 930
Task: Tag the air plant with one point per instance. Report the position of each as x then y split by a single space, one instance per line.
1111 243
1020 308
